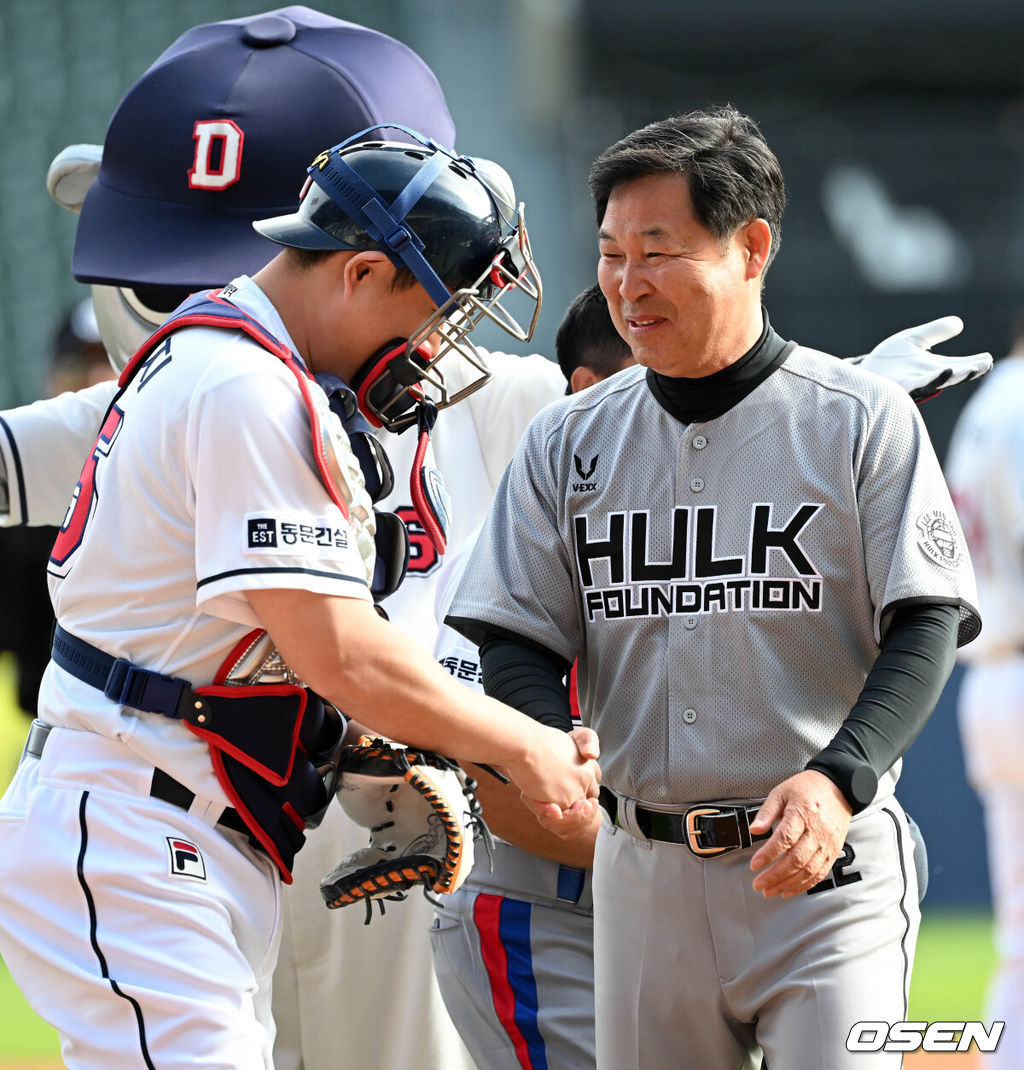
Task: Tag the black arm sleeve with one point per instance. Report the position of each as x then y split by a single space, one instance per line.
528 677
898 697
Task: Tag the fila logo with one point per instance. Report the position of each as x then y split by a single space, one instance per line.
218 159
584 473
186 861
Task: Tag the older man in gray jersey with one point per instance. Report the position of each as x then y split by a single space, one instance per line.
750 550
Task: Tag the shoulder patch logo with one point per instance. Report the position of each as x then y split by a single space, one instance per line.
940 539
186 859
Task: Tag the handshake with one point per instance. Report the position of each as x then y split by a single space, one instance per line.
424 817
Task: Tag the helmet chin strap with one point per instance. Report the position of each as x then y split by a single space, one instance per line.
386 385
430 497
386 391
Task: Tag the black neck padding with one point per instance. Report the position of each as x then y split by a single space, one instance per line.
699 400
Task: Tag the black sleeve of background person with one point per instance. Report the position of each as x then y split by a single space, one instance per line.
899 694
528 677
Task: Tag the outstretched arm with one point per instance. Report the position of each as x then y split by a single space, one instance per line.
371 670
906 358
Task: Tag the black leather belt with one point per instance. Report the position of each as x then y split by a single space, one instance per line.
163 787
708 829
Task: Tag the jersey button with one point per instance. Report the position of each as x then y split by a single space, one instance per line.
689 623
689 716
699 442
697 484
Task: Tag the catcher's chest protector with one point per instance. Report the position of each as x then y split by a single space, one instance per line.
210 309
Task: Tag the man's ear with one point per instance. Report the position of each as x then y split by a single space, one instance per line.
756 238
582 377
367 270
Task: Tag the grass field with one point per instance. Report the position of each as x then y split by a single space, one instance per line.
955 954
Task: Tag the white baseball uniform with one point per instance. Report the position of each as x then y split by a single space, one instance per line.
985 469
153 565
43 445
724 586
472 443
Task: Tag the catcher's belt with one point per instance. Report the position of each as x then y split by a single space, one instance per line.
163 786
707 829
274 747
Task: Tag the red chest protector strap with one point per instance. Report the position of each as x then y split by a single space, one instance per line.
210 309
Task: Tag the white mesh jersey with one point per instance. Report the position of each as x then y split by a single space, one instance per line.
985 470
723 584
209 447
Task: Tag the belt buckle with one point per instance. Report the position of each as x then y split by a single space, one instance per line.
693 833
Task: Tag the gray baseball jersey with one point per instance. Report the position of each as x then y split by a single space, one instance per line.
723 584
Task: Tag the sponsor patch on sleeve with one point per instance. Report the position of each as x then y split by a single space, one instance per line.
284 533
940 539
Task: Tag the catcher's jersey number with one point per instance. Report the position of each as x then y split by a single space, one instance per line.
82 500
423 555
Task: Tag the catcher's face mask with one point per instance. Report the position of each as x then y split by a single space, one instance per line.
416 375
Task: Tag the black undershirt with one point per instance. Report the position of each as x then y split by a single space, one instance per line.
707 398
915 657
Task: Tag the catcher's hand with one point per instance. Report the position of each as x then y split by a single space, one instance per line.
423 816
906 358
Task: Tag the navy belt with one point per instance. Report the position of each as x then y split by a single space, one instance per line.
126 683
708 829
164 787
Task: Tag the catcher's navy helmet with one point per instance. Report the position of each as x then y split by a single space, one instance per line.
451 220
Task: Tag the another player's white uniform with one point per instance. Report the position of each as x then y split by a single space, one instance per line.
514 946
724 586
985 469
472 443
157 573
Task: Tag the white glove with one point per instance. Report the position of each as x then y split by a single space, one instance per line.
906 359
72 173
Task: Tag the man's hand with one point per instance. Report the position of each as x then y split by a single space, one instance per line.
582 815
906 359
811 818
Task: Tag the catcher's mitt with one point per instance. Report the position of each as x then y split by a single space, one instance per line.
423 816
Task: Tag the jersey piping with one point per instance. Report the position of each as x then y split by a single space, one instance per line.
16 457
277 569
